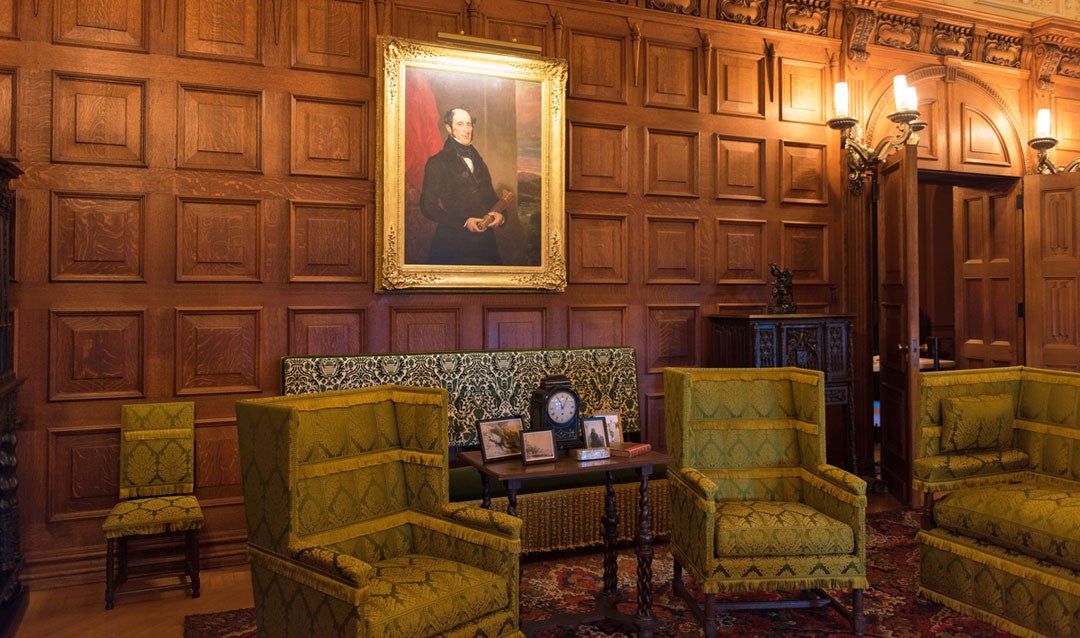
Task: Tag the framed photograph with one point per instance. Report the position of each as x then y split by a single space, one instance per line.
470 179
499 438
538 446
612 426
592 431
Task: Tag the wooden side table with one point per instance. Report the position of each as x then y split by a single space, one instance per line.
513 473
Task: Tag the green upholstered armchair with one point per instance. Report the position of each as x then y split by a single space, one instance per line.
157 478
753 504
350 532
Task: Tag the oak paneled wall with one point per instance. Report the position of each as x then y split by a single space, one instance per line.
199 200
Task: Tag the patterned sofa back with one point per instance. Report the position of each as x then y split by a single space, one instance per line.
750 427
1047 412
317 468
482 384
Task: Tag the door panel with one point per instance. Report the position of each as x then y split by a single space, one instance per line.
898 336
988 263
1052 272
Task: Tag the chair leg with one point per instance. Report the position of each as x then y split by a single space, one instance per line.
110 575
676 577
193 560
710 615
858 618
122 561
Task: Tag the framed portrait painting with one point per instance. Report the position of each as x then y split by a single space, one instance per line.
499 438
470 180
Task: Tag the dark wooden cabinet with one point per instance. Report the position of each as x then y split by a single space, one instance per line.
813 341
11 558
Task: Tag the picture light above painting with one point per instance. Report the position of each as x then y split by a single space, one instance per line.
470 184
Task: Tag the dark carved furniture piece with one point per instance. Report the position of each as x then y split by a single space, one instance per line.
513 473
12 593
805 340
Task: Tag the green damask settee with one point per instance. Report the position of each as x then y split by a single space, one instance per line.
492 383
1003 544
350 529
754 505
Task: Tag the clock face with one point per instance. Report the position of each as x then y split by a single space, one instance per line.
561 407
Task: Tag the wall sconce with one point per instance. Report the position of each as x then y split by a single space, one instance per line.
1043 142
863 158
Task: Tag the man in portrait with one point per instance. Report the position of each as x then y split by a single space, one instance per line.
458 195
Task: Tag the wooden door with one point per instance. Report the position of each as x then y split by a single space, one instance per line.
1052 270
988 267
898 316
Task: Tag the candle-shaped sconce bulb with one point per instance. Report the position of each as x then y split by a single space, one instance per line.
840 99
899 84
912 99
1042 123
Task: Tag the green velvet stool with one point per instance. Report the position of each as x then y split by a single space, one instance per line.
157 478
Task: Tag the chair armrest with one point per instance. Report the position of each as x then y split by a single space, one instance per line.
842 478
483 519
343 566
704 486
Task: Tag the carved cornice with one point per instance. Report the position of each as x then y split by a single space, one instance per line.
749 12
1047 58
806 16
1003 51
1070 63
898 32
859 28
953 40
682 7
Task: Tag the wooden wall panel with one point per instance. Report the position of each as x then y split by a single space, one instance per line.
217 350
425 329
596 326
599 157
802 91
327 242
671 337
330 35
653 411
326 331
83 472
95 354
598 246
118 24
671 76
221 30
806 251
508 328
597 67
740 84
219 129
1065 126
8 117
981 143
671 254
218 240
217 461
740 168
9 19
803 173
518 31
329 138
740 251
671 163
98 120
97 237
425 23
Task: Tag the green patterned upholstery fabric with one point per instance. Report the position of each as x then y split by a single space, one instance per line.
1006 548
1040 522
976 422
754 506
157 449
771 528
350 530
153 515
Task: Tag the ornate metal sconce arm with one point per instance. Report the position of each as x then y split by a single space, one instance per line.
862 159
1045 165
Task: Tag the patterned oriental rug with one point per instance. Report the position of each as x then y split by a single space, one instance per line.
563 582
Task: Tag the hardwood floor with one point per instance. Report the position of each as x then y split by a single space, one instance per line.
80 610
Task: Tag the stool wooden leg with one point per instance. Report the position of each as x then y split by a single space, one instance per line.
121 561
858 618
110 575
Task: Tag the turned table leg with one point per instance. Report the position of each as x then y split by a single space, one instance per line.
644 618
610 522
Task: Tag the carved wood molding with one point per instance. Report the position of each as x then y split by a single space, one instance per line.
859 29
1047 58
806 16
748 12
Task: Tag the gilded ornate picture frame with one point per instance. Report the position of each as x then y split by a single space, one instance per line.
470 179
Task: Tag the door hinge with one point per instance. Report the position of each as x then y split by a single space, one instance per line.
1020 310
1019 201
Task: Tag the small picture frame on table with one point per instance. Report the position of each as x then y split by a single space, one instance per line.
592 431
499 438
538 446
612 426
